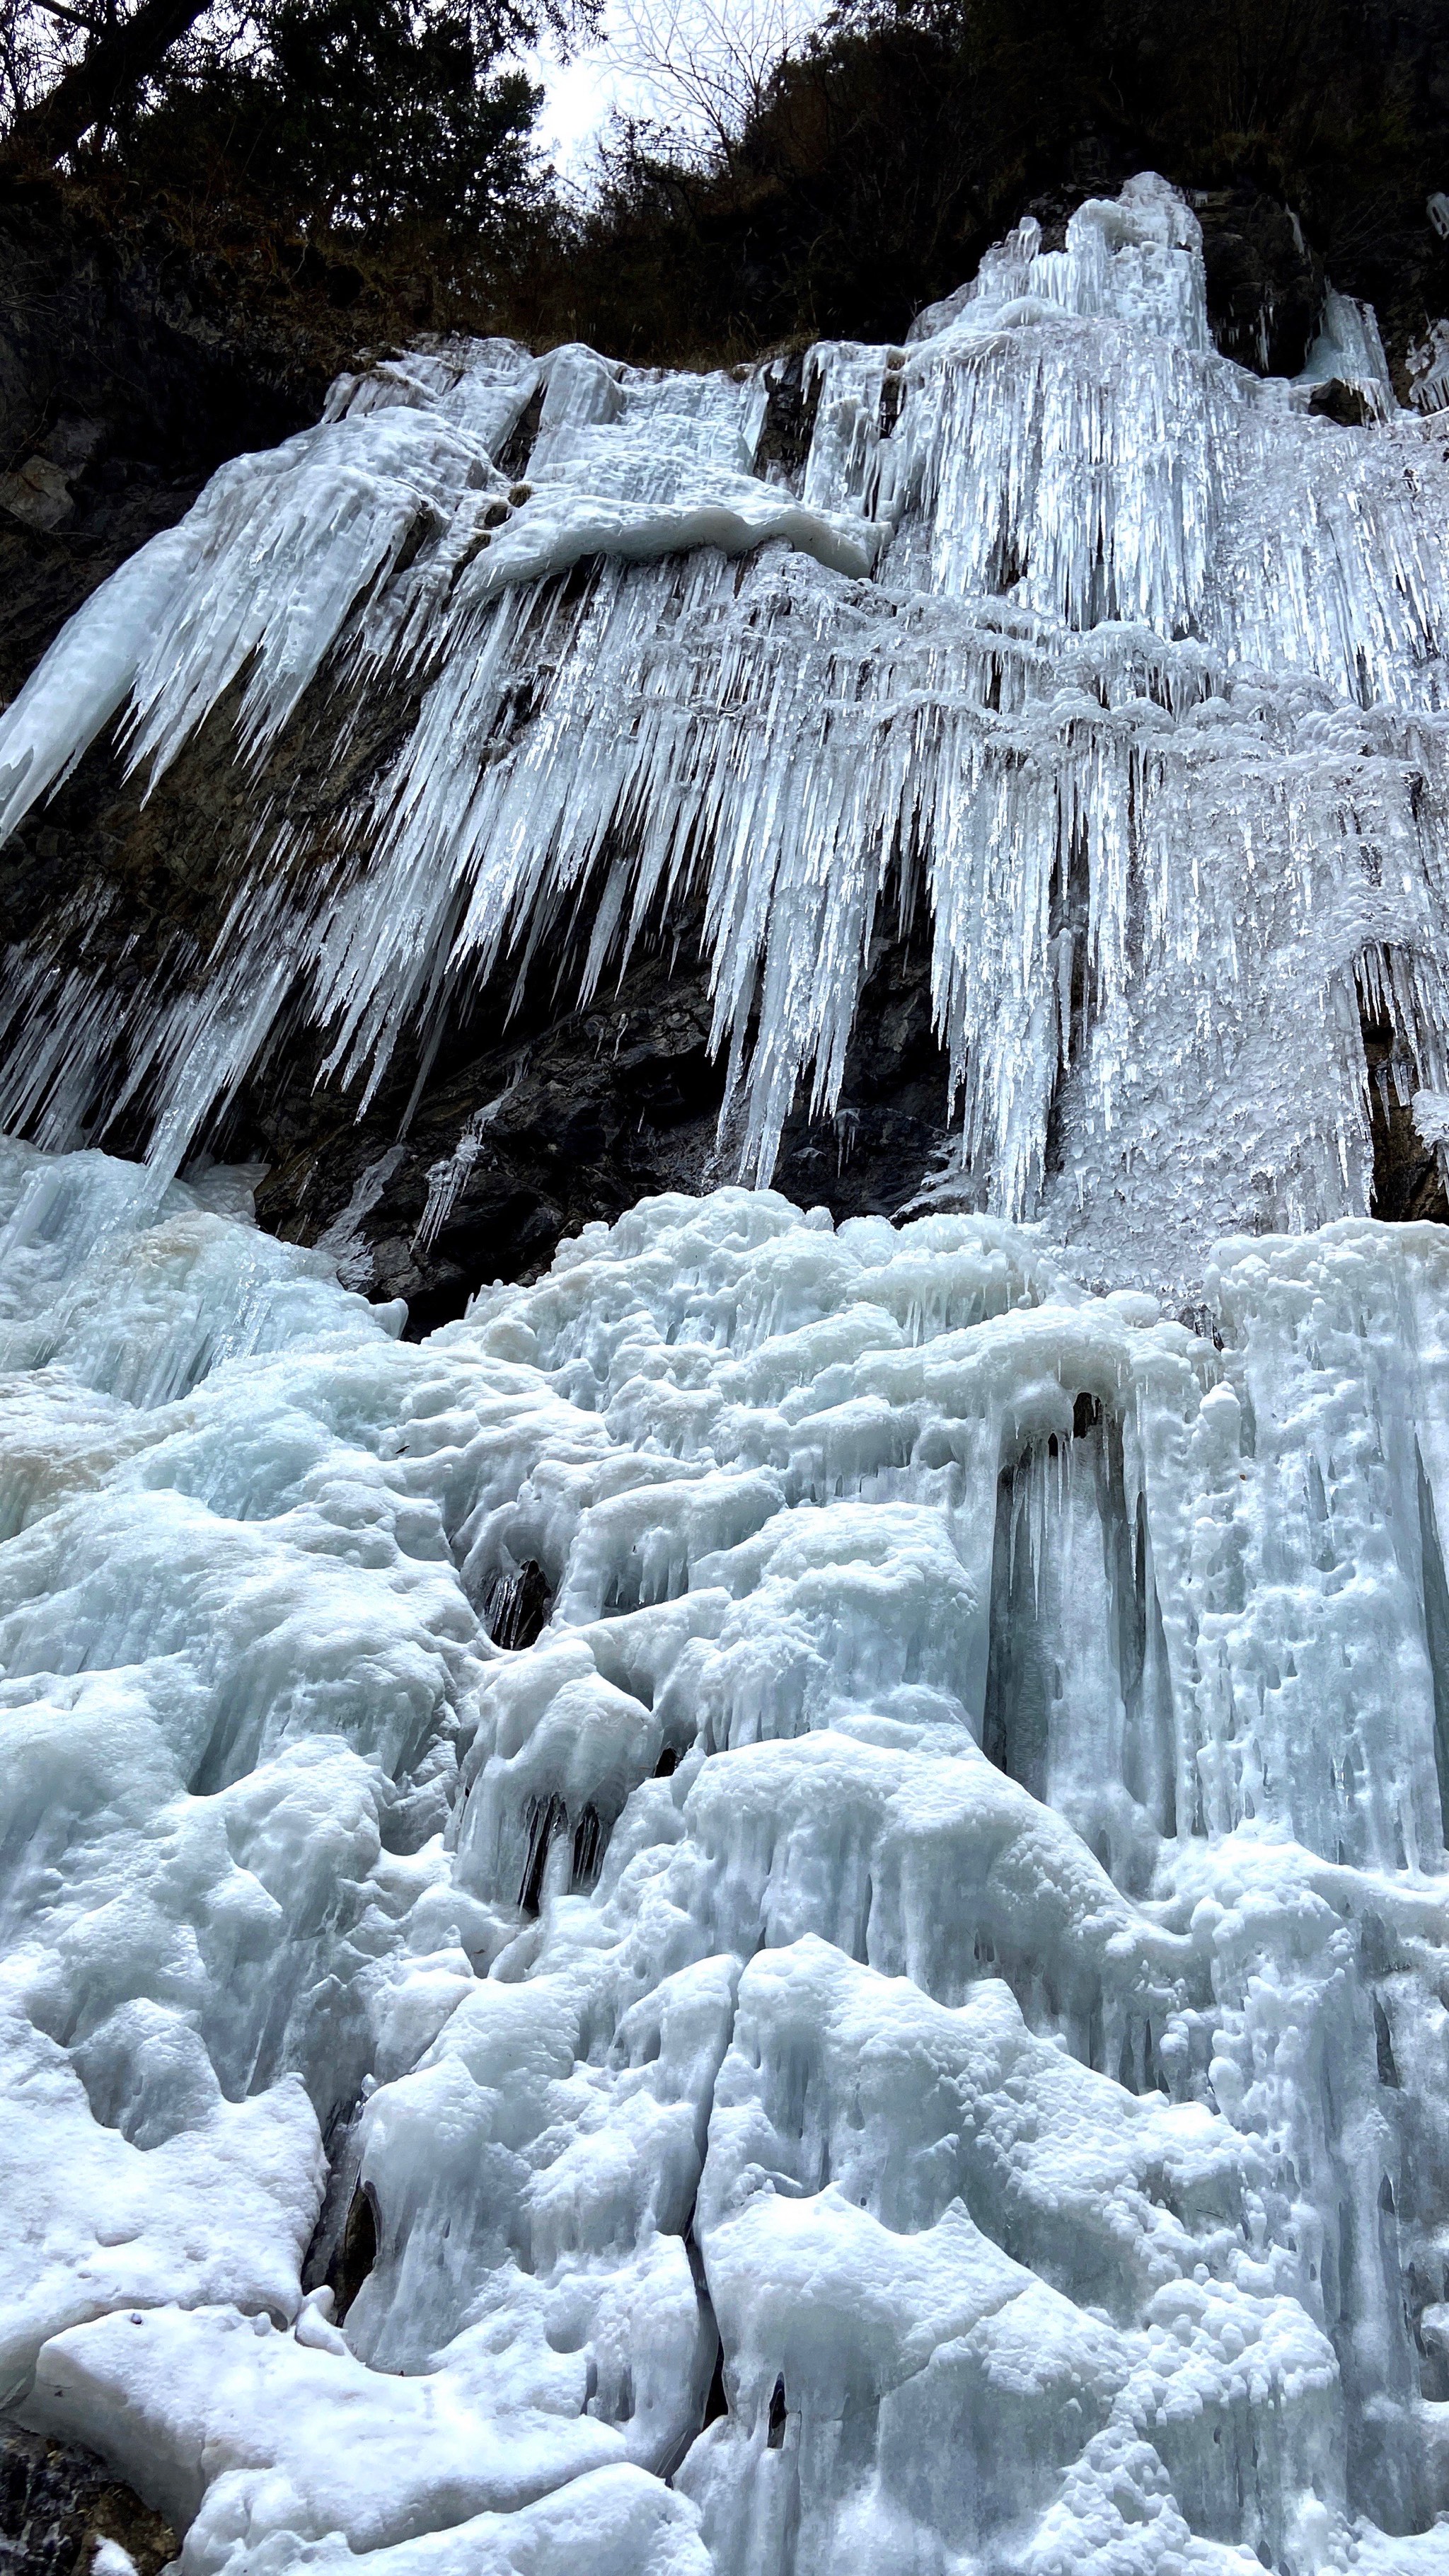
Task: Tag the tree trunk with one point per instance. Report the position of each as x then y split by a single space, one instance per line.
113 64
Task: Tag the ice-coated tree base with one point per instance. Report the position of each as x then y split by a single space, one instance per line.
889 2015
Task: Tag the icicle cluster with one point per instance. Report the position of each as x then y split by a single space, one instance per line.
779 1908
1127 663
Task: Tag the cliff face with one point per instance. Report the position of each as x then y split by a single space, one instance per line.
128 369
59 2503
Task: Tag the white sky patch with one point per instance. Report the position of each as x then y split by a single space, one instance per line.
693 65
581 95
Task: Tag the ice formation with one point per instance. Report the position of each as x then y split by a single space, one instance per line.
1111 653
780 1907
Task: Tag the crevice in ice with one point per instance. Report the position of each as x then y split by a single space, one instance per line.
777 2417
792 389
1078 1703
1069 935
518 446
1408 1172
356 2252
1434 1595
588 1852
517 1608
546 1821
1384 2048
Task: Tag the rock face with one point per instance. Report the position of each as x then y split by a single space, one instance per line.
123 382
58 2503
1265 287
128 371
584 1113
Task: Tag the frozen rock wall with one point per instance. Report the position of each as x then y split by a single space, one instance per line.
1122 663
780 1906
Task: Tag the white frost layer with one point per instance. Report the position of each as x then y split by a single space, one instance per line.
903 2028
1126 663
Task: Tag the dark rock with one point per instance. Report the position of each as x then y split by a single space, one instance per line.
1408 1181
1349 405
584 1110
357 2252
517 1609
118 340
595 1109
57 2501
1265 285
789 423
127 374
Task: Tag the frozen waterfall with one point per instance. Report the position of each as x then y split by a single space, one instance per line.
779 1907
1107 652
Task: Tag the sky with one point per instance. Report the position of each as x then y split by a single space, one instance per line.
581 96
605 78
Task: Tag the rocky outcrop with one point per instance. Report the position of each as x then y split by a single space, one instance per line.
130 367
59 2505
568 1117
1265 284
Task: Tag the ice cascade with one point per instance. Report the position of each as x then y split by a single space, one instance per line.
1115 656
779 1907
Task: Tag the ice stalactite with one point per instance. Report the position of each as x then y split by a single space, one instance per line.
1120 658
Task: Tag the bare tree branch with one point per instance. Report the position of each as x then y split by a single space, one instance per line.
117 59
72 17
709 62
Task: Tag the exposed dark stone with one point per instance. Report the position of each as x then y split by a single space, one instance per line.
57 2501
518 1607
130 367
1346 404
548 1819
596 1109
789 423
1265 286
1407 1180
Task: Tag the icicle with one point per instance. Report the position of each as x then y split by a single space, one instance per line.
1128 660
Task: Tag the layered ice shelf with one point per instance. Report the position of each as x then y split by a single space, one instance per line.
779 1907
1115 656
